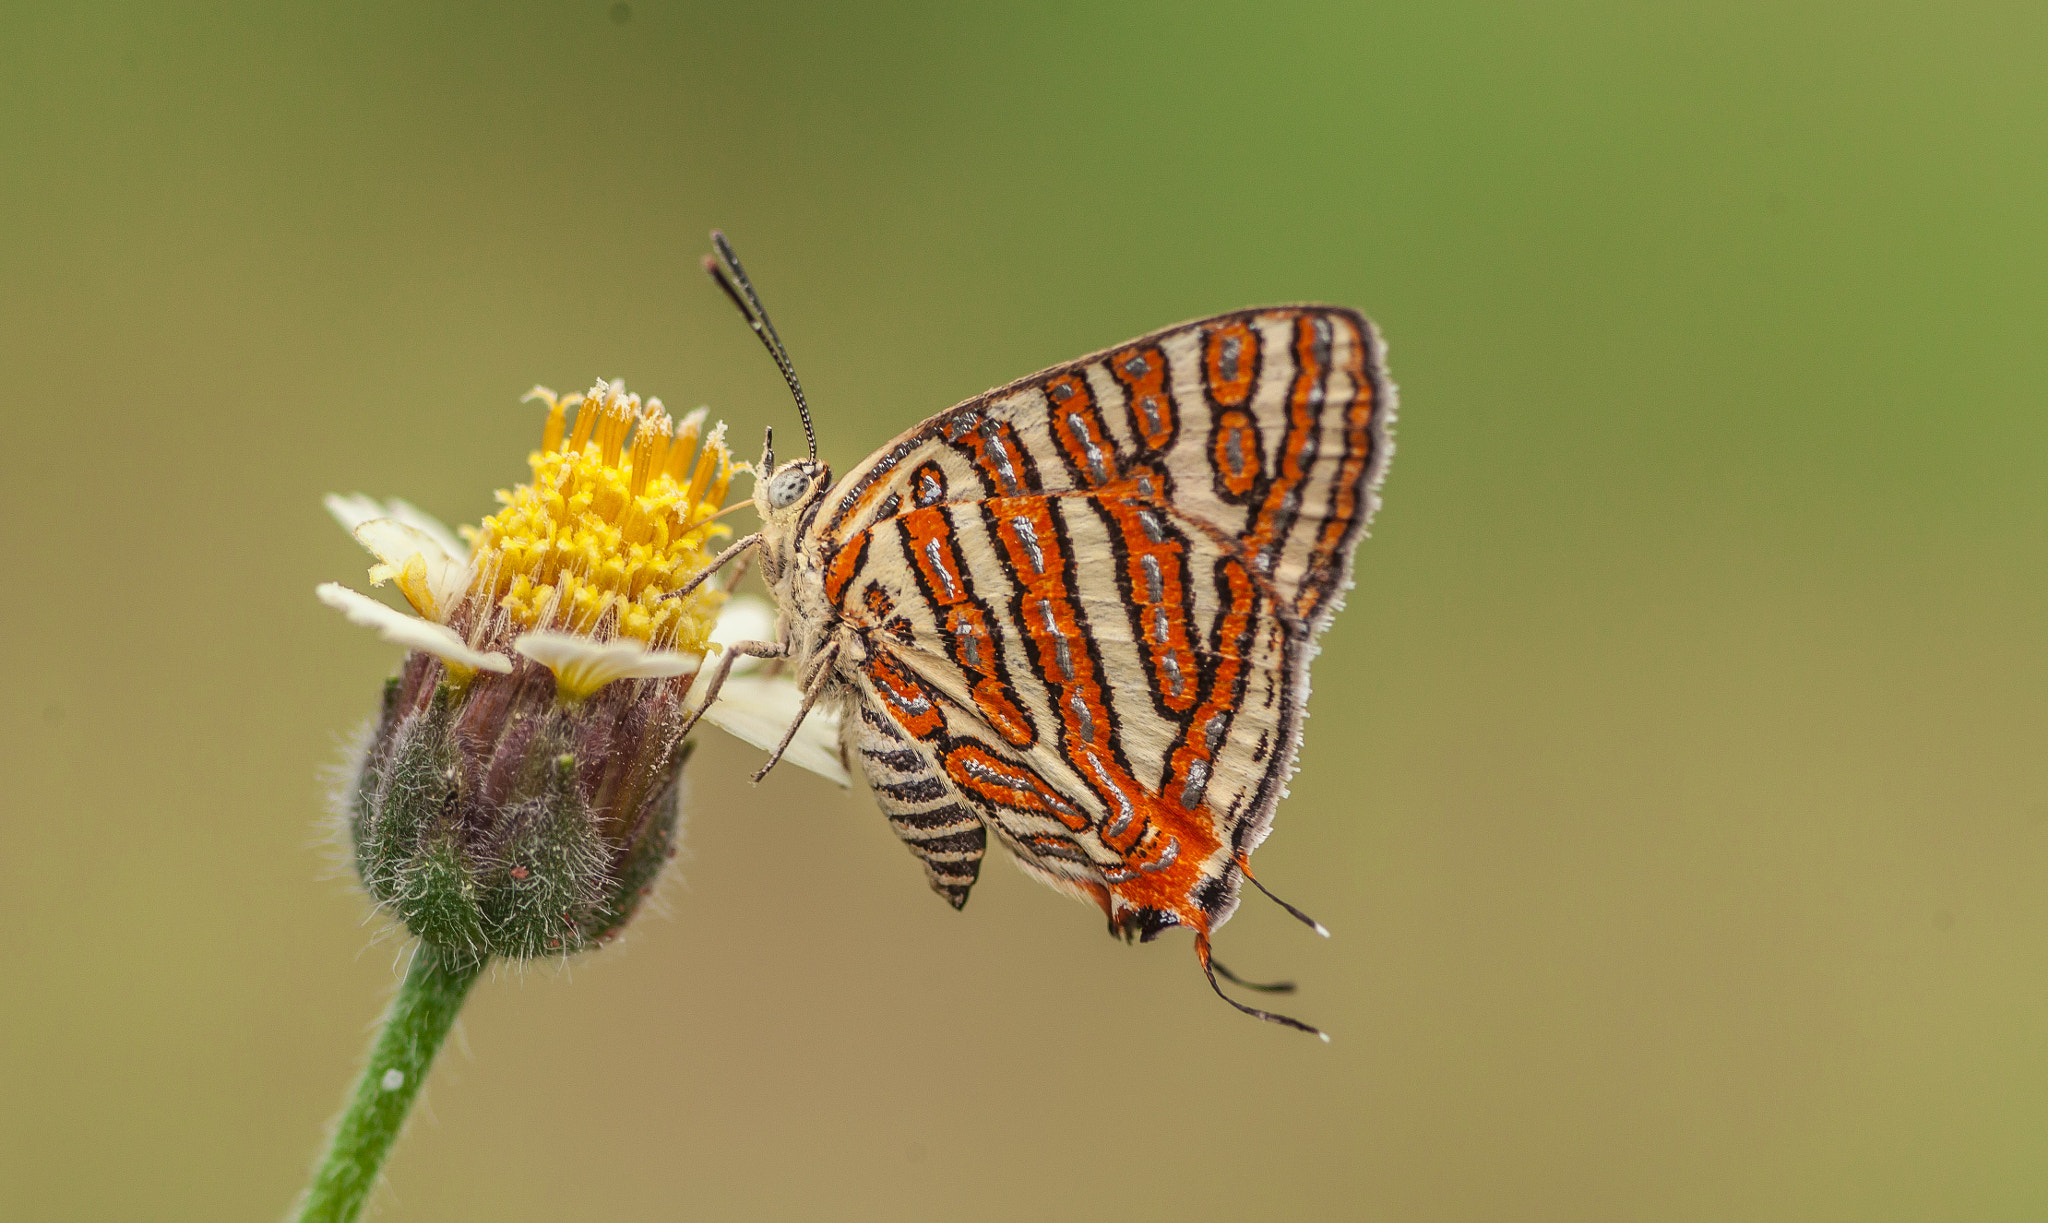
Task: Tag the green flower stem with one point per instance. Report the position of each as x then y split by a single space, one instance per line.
413 1030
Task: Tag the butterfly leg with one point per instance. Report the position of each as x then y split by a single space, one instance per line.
717 562
737 650
811 691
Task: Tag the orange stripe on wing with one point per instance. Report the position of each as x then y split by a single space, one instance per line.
996 452
1155 571
971 638
913 706
1348 496
1191 764
1032 539
1004 783
1077 427
1186 826
1282 502
1230 363
846 564
1234 452
1142 371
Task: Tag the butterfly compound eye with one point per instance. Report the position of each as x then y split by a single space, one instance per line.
786 487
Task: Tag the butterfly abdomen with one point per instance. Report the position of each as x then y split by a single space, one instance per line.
922 808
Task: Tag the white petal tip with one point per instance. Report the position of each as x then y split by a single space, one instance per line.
409 631
583 666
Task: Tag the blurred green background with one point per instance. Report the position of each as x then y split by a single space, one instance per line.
1675 786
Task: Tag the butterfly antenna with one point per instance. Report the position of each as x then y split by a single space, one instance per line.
1299 916
726 270
1271 987
1209 971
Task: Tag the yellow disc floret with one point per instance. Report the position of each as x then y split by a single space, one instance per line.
607 529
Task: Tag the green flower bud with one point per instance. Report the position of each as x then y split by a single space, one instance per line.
494 817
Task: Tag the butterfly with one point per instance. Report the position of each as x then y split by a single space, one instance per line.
1075 614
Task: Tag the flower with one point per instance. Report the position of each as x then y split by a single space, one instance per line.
518 793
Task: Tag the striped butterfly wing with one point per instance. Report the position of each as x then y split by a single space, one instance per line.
1091 598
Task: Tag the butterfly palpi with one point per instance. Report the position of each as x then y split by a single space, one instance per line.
1075 614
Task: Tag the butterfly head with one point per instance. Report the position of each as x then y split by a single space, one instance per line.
793 489
786 498
788 495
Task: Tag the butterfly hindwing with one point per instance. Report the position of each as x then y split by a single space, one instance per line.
1107 579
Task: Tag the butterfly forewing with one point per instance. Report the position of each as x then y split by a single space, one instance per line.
1090 599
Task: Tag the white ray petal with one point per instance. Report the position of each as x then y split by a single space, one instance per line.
356 509
744 618
582 666
759 710
409 631
418 519
432 578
